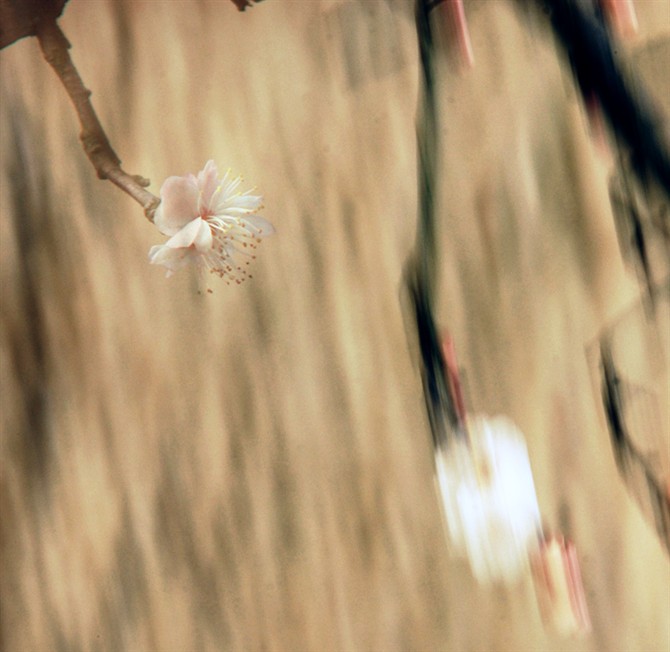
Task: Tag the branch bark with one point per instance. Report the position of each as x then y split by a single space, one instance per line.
18 18
107 164
243 4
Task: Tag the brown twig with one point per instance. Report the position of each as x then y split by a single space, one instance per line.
243 4
55 48
18 18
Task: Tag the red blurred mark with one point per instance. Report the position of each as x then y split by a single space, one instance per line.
621 14
597 127
458 22
453 378
559 588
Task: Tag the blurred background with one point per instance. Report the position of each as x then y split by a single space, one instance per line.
252 469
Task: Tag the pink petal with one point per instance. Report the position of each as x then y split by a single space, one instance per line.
179 204
196 233
203 238
172 259
262 227
155 252
208 179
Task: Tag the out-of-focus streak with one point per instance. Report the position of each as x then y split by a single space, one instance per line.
559 588
631 115
445 423
640 152
627 208
635 401
650 493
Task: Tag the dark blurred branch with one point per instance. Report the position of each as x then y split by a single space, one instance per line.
631 115
421 271
94 140
427 148
655 501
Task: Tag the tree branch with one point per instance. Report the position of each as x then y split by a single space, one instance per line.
18 18
243 4
55 48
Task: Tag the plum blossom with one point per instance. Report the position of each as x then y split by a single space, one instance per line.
212 225
488 498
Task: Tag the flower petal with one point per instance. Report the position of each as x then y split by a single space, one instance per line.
229 183
203 238
192 234
207 185
179 204
172 259
228 202
240 205
210 223
259 224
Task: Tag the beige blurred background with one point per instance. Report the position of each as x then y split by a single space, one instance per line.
251 469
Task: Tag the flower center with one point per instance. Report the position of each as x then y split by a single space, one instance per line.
233 242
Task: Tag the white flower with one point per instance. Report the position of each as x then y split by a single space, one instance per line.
211 224
489 500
